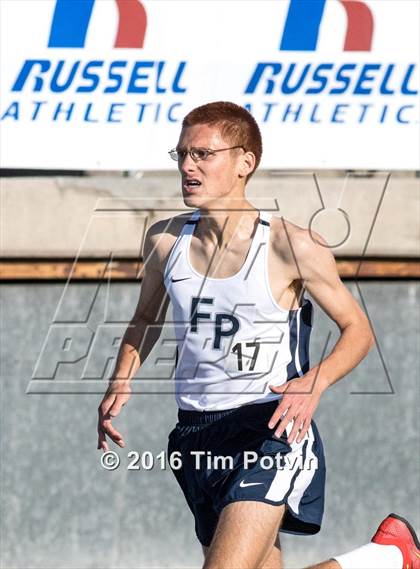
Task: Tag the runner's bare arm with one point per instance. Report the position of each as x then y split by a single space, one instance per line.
316 266
141 335
318 270
146 325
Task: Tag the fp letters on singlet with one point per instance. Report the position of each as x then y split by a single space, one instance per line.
243 356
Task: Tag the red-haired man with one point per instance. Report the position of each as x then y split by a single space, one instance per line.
252 457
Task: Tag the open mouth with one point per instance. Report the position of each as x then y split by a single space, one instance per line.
191 184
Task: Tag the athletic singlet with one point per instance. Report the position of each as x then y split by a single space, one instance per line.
233 339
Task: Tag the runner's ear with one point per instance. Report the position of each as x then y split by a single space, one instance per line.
247 166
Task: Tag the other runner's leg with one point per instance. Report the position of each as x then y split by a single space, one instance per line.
394 546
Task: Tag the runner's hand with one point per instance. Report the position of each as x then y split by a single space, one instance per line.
298 404
117 395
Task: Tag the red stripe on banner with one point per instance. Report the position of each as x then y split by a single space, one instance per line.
359 26
132 23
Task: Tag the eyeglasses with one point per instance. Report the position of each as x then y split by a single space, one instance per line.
197 153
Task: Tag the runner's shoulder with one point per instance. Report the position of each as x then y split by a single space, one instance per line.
161 236
291 241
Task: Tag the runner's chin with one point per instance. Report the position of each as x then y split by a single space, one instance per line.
191 201
194 199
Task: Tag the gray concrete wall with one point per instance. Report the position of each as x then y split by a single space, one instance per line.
61 510
94 216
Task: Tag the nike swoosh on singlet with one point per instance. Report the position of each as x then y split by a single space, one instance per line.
176 280
243 484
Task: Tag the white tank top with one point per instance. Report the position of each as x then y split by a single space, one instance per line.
233 339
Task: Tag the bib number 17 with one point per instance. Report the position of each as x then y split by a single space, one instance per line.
246 358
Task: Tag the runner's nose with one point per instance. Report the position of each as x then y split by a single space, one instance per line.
186 164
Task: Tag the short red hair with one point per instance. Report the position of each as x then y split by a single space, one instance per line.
236 125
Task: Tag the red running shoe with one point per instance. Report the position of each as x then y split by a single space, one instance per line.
395 530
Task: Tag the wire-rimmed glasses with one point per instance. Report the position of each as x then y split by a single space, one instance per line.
197 153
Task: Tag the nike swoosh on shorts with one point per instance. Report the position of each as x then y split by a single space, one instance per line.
244 484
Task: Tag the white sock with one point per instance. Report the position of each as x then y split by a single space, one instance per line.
372 556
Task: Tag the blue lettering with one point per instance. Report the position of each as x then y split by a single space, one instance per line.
87 118
59 76
404 89
160 66
342 78
171 108
383 115
384 87
157 112
338 109
364 78
176 88
142 108
38 105
12 112
285 85
55 87
25 71
313 114
400 111
114 108
67 112
292 112
256 77
93 77
268 106
363 113
117 77
135 75
321 79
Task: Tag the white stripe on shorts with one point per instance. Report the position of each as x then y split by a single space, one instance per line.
282 480
305 476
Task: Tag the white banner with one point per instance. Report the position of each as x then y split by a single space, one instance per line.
104 84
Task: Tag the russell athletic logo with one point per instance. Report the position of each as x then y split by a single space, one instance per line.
66 72
304 18
293 81
375 87
71 21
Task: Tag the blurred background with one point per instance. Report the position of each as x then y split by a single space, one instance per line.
93 96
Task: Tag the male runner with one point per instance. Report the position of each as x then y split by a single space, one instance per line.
236 278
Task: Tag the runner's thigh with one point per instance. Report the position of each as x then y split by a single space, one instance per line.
245 533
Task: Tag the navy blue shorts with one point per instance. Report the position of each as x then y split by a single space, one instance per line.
232 455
